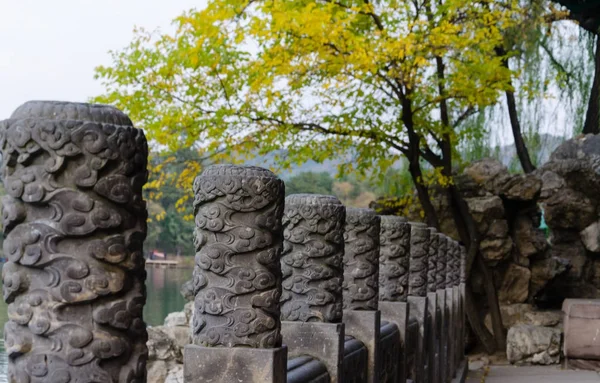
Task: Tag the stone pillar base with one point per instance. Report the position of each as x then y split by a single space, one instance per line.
229 364
433 337
451 336
419 311
365 326
324 341
397 313
443 336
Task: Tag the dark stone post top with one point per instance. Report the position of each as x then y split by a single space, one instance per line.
238 240
419 249
394 259
74 223
440 275
361 259
312 258
432 260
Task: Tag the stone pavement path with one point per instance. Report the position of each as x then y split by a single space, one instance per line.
530 374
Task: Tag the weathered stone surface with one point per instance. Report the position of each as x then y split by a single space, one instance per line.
235 364
511 315
569 209
495 250
515 285
187 290
238 240
74 223
533 344
188 309
419 249
547 318
485 208
545 270
582 326
175 374
590 236
361 259
180 335
394 259
177 318
575 254
441 264
432 260
528 238
312 258
523 187
162 347
486 170
157 371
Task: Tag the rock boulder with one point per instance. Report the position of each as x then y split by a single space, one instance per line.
529 344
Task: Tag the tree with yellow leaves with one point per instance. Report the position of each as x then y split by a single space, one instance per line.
324 78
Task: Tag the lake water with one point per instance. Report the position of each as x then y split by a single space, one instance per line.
162 286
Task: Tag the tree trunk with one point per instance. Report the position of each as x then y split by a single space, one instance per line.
520 146
592 116
423 194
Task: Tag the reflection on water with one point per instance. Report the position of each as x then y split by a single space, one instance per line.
162 287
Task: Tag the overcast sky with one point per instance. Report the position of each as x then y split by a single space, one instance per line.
49 48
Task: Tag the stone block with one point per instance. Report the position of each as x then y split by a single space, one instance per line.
397 313
323 341
582 329
364 326
235 364
533 344
418 311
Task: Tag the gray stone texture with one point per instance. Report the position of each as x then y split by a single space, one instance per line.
364 326
581 327
529 344
361 259
312 258
394 259
238 240
323 341
419 248
234 364
74 223
397 313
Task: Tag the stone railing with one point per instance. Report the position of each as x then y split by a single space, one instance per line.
307 290
299 289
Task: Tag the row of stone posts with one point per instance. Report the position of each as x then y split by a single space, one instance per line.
297 289
307 290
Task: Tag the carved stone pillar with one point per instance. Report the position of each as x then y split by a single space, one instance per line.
393 281
417 296
237 277
74 225
361 283
312 300
443 324
432 308
458 342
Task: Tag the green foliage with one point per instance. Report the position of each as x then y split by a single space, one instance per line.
309 182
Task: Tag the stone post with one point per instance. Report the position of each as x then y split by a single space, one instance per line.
443 324
463 367
432 308
74 224
417 296
361 283
393 281
451 307
311 303
458 342
237 277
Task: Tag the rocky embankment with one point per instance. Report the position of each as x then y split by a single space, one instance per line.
165 347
